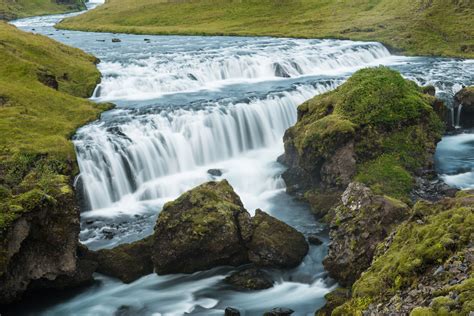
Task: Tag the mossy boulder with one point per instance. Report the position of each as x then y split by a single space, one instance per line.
205 227
358 225
425 267
377 128
127 262
250 278
275 244
208 226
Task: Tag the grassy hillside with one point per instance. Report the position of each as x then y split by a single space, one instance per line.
423 27
12 9
42 85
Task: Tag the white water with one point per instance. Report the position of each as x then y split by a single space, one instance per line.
188 104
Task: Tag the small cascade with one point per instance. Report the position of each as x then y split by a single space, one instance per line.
458 116
157 73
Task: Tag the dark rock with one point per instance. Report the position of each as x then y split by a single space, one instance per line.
215 172
280 71
127 262
279 311
192 77
230 311
275 244
116 40
40 246
250 279
314 240
205 227
48 79
358 225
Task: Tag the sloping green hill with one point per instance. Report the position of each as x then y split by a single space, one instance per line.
42 88
13 9
424 27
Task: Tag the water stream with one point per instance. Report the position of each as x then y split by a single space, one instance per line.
189 104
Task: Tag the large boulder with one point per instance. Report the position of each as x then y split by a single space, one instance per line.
377 128
358 225
205 227
275 244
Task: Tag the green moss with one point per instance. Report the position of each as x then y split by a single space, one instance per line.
385 175
422 311
439 27
416 247
13 9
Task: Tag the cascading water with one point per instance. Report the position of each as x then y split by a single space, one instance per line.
189 104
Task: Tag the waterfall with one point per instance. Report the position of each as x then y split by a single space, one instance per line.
458 116
119 158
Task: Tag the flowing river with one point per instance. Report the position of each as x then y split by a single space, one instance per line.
189 104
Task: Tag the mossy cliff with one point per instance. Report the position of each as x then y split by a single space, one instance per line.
376 128
14 9
42 85
422 27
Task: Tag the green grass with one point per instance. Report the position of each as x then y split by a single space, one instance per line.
14 9
36 120
420 27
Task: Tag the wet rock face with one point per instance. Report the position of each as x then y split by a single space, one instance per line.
205 227
358 225
40 248
275 244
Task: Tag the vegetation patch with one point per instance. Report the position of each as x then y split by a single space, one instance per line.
425 27
14 9
37 120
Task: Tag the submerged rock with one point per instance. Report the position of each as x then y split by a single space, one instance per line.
314 240
205 227
358 225
279 311
275 244
250 279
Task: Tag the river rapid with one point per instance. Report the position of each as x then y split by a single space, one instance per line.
187 104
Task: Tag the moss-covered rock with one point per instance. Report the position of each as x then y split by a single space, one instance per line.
205 227
208 226
426 267
127 262
358 225
377 128
275 244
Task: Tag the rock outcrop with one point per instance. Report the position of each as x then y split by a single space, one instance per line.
38 249
358 225
376 128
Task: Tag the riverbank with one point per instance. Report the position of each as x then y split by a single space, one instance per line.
432 28
10 10
42 102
